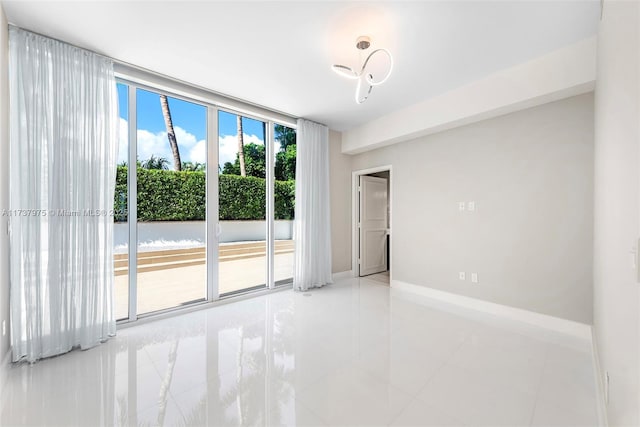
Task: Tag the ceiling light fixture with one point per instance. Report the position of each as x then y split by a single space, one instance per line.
365 79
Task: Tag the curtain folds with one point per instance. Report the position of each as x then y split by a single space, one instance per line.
312 226
63 150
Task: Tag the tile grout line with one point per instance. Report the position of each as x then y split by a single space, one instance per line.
542 372
441 367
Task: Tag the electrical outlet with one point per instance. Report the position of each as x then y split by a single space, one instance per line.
462 275
461 206
474 277
471 206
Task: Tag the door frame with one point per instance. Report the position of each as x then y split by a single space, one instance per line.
355 214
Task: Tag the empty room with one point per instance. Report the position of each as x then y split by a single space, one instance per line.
320 213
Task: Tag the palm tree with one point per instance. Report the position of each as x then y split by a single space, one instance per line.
166 381
154 162
193 166
243 170
285 135
285 166
171 134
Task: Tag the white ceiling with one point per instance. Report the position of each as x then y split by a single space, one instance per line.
278 54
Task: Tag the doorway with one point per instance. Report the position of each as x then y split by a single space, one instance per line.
372 224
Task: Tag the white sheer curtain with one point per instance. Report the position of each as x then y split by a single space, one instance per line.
63 146
312 229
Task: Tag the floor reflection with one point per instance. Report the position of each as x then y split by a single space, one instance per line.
352 353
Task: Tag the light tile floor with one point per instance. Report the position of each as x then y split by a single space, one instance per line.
379 277
353 353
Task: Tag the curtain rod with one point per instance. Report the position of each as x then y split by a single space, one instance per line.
235 102
59 41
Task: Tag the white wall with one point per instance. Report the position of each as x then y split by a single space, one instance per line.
565 72
530 174
4 181
186 234
617 212
340 185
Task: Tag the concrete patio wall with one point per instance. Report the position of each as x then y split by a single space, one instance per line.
232 231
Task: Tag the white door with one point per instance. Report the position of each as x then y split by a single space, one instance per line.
373 225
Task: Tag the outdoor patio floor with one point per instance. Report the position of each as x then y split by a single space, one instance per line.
166 288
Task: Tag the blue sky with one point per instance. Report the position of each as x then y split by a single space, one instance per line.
189 121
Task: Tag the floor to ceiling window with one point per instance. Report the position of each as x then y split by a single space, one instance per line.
183 236
121 208
284 197
171 201
242 198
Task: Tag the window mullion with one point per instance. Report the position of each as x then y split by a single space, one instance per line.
270 167
212 211
132 197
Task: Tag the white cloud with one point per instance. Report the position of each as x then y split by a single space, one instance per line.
157 144
199 152
191 149
228 147
123 141
185 139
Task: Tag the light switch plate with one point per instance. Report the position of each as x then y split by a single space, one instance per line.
474 277
461 206
471 206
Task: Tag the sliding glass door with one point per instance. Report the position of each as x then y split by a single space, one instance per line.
121 211
171 202
185 236
284 196
242 185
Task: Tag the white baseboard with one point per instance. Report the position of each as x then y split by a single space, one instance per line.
564 326
599 377
342 275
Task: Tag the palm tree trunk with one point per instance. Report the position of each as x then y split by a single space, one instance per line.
171 134
243 170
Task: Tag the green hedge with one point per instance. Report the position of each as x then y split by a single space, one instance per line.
180 196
